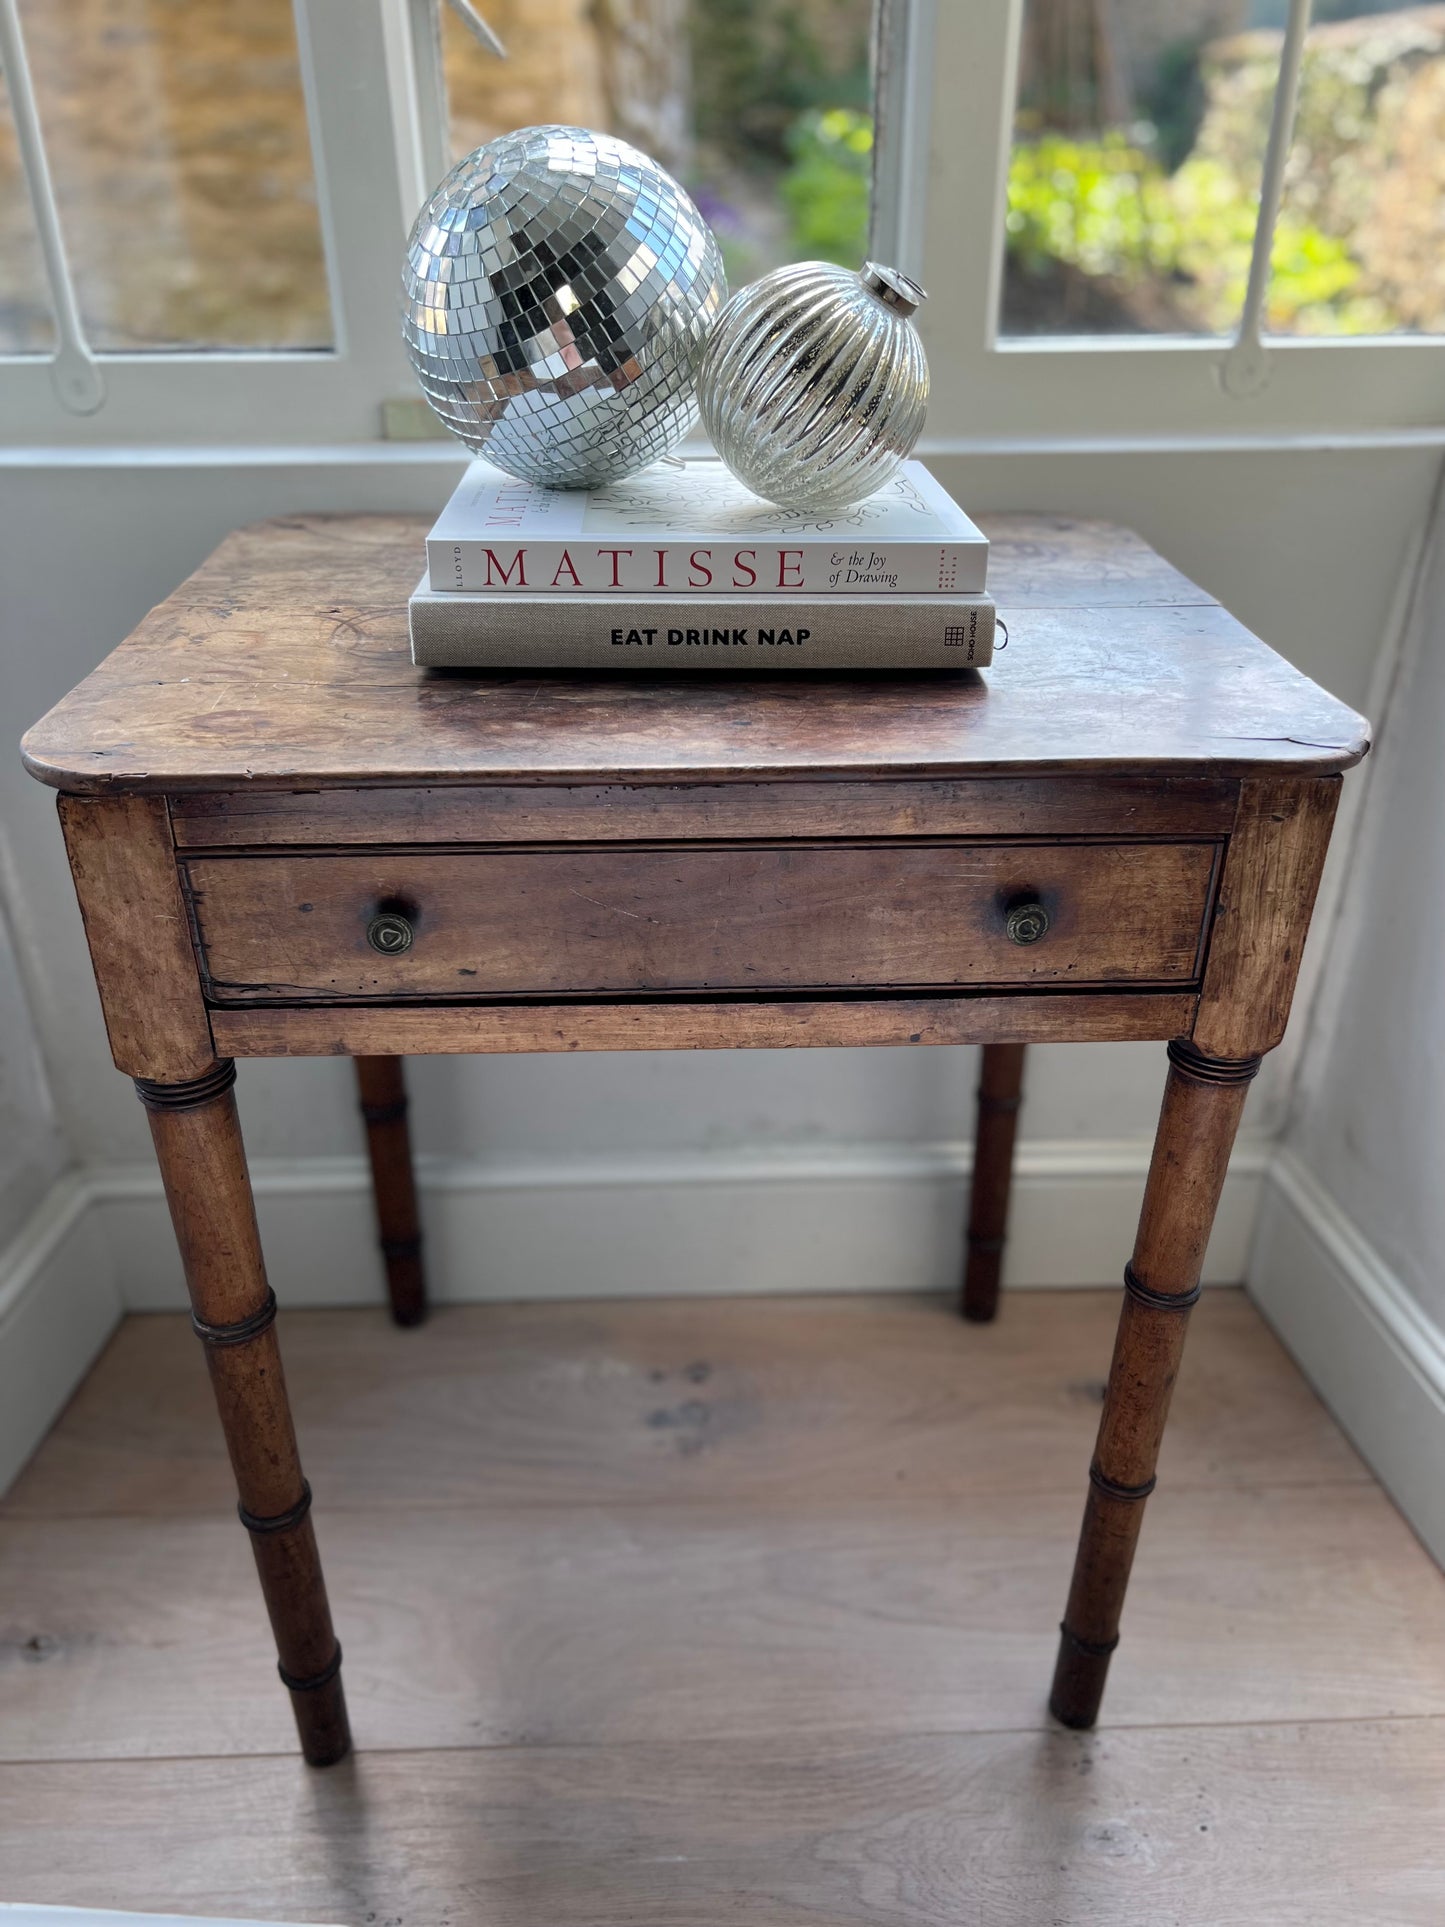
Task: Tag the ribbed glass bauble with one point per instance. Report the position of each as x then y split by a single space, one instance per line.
814 385
557 291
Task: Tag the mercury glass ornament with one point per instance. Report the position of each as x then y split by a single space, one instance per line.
557 291
814 384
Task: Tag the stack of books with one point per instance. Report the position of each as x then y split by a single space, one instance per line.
681 567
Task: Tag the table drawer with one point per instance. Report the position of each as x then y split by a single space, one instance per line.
743 917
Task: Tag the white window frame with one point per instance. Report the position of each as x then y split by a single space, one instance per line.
372 86
360 89
997 394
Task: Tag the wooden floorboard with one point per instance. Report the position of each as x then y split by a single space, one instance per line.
599 1624
1274 1826
656 1402
730 1612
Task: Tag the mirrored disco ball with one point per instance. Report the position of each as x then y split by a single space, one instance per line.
557 292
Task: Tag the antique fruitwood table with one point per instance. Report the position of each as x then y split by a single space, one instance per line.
288 842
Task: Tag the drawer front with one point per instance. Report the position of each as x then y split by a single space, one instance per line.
740 918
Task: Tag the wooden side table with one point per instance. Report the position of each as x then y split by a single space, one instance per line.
288 842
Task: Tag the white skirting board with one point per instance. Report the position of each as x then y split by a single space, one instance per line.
17 1914
1359 1337
787 1219
58 1306
783 1219
829 1218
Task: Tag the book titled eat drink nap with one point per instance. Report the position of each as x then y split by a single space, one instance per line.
686 527
749 633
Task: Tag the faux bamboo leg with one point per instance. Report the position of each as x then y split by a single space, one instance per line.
1000 1089
382 1084
203 1162
1202 1102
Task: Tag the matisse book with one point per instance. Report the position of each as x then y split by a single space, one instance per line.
686 527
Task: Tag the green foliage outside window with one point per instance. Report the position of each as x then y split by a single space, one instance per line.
1106 208
826 187
1148 227
760 64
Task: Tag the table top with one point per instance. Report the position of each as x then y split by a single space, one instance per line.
283 664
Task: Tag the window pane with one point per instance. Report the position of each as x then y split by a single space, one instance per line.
760 107
1125 215
177 139
1139 141
25 323
1364 197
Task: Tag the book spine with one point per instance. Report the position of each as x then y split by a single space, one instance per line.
631 566
926 632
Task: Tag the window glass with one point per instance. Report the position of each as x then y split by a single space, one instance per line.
25 320
177 139
1364 194
1139 141
1120 218
760 107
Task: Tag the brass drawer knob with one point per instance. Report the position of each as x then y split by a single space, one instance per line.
390 933
1026 922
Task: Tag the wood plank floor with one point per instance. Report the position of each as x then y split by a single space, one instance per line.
722 1611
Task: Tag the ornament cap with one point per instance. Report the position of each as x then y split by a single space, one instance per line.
892 287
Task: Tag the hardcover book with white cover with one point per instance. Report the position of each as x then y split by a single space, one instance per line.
687 527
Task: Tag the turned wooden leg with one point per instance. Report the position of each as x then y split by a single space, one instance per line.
382 1084
1202 1102
1000 1089
203 1162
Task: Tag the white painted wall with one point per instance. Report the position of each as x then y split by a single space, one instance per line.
1371 1123
1349 1257
33 1150
58 1298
